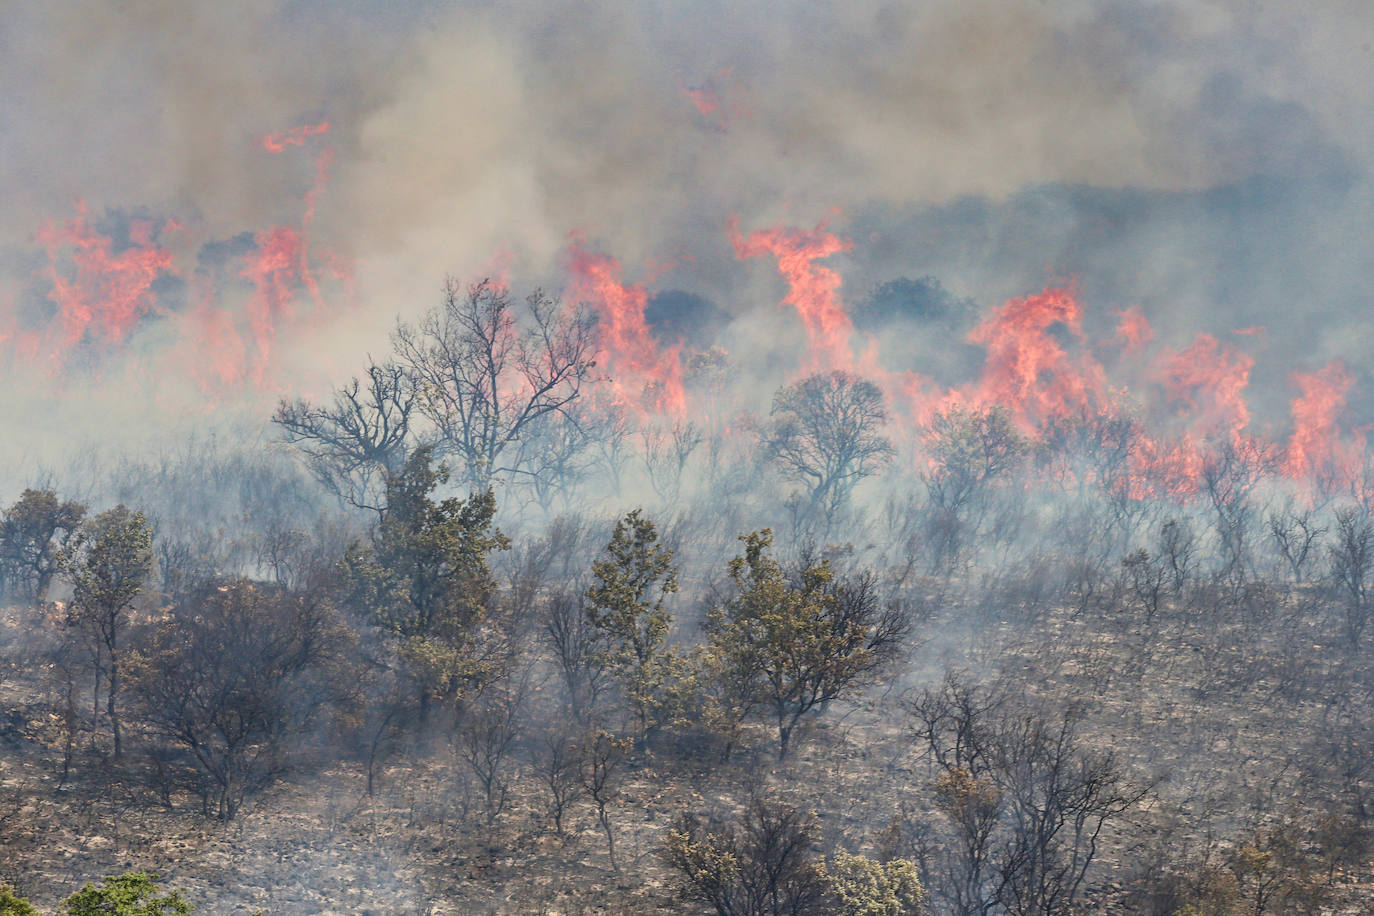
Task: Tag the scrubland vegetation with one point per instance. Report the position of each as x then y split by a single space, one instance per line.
475 637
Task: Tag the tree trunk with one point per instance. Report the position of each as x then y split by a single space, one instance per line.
112 644
610 837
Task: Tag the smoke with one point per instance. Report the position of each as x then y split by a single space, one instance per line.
1205 162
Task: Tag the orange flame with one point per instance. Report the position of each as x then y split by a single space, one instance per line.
1027 371
813 290
100 295
296 136
1314 449
1133 331
643 376
1210 377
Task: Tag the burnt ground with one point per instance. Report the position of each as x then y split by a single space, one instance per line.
1230 713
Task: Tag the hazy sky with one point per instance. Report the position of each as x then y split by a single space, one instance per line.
991 143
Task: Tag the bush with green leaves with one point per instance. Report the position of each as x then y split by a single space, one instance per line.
11 904
131 894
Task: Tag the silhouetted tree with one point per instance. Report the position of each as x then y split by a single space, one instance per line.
351 445
486 372
827 435
33 534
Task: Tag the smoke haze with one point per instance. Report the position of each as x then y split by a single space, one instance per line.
1206 162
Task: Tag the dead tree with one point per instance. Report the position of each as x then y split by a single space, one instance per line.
484 375
351 445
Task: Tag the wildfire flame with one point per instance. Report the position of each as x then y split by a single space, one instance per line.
644 377
100 294
103 285
814 290
1027 371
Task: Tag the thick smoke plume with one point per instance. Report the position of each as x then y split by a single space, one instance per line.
213 208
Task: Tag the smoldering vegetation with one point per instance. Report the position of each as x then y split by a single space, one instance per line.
1001 543
487 630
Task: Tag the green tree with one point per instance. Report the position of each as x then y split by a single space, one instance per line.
11 904
633 577
33 534
798 644
425 578
108 563
860 886
131 894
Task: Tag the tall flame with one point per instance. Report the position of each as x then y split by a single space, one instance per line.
1315 450
813 290
645 377
1027 371
1210 378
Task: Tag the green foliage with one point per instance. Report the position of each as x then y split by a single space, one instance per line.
33 534
765 864
790 646
425 577
131 894
762 866
11 904
108 562
633 577
860 886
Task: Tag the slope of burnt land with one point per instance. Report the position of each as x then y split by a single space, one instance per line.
1235 720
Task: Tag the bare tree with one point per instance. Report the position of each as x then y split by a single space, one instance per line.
351 445
666 452
1028 799
232 676
1352 562
577 649
827 435
1295 533
601 758
1230 474
485 374
969 449
557 759
486 733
